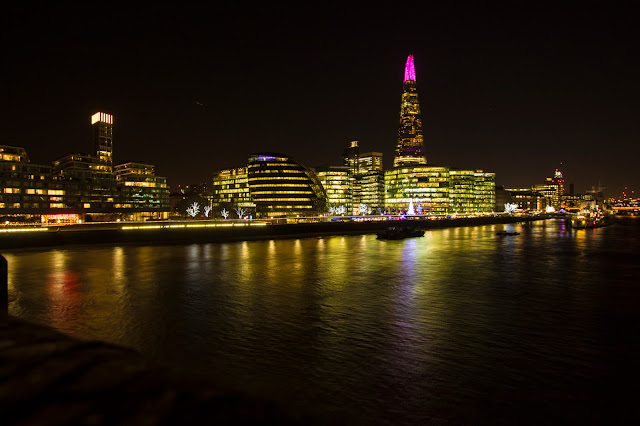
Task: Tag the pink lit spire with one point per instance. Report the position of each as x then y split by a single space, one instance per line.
409 70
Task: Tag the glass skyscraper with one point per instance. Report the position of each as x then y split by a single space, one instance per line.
410 146
430 189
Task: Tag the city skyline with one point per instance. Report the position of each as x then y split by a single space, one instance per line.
517 94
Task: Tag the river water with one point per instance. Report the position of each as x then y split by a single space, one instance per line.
461 326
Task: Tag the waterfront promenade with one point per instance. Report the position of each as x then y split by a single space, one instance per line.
194 231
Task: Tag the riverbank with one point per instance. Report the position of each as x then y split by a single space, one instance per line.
190 232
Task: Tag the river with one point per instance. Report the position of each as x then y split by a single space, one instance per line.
461 326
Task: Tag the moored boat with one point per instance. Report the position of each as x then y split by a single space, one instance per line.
505 233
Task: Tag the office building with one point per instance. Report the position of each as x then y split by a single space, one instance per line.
527 198
282 187
337 182
430 189
85 186
139 189
552 189
27 189
365 179
426 187
370 162
230 190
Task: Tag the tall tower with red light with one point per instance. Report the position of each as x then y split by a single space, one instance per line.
410 146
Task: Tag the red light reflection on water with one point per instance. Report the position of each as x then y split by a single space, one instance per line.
64 289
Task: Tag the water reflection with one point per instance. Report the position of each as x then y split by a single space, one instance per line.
384 327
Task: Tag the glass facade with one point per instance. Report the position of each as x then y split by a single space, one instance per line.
361 182
337 182
439 190
87 183
280 187
27 188
426 186
552 189
371 190
140 188
370 161
231 190
410 146
484 192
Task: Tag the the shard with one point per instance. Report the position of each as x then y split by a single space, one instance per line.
410 146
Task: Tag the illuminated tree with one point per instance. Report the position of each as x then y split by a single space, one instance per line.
225 213
338 210
241 212
207 210
193 209
363 209
510 208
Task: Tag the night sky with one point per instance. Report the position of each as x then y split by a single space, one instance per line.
516 91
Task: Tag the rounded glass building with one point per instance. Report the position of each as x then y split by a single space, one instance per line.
280 186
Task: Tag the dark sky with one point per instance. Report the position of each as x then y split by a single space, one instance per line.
511 89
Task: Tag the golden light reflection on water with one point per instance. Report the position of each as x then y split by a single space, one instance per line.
272 263
119 275
422 285
298 262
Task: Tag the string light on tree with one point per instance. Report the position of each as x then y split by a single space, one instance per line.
363 209
224 213
337 210
510 208
193 209
207 210
240 211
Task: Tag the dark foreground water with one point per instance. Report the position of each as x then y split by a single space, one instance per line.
461 326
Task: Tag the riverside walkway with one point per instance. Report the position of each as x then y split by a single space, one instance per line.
193 232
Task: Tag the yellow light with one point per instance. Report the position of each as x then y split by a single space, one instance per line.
24 230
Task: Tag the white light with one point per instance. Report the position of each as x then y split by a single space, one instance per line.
241 212
193 209
510 208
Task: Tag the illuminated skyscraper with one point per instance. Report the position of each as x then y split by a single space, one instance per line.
102 138
410 147
351 156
